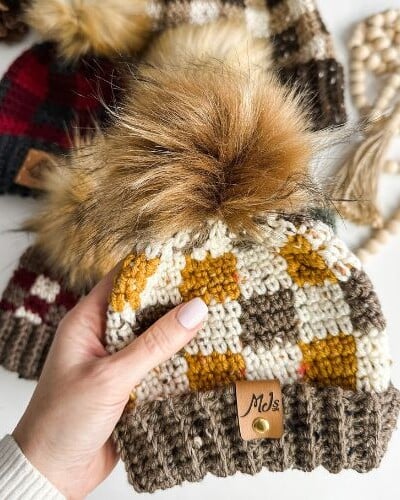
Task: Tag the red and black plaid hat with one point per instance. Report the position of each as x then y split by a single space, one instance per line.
42 99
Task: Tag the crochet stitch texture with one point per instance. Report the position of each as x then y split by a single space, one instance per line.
44 102
33 304
296 307
45 111
304 58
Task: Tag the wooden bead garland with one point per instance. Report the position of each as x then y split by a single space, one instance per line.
380 237
375 50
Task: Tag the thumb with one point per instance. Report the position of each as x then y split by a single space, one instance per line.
160 342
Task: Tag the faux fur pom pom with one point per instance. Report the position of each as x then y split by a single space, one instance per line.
205 132
12 27
107 27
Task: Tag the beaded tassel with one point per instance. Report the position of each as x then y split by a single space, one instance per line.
375 48
380 237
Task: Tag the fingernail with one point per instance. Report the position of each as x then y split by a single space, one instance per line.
192 313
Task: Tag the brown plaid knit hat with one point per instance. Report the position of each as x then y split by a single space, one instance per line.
295 309
302 46
304 58
291 368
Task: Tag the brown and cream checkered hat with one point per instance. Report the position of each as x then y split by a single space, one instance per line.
296 308
304 57
302 46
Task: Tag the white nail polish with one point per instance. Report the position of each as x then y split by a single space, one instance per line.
192 313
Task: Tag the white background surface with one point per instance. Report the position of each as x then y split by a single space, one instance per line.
384 269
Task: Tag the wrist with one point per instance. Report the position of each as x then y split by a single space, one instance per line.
17 474
34 447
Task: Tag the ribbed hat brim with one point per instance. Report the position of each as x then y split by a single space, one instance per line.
164 443
28 321
23 345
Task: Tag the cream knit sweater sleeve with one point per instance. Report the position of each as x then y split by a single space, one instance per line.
19 480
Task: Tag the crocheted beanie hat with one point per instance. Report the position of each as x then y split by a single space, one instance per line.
196 190
44 103
295 308
301 47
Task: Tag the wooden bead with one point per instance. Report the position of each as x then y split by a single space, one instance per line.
356 65
389 54
395 80
388 92
382 236
382 43
357 88
381 69
390 32
373 33
363 255
372 246
391 167
393 226
360 101
391 16
373 61
357 38
377 20
376 48
361 53
356 76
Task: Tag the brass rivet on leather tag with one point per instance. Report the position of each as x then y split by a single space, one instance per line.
260 425
260 410
31 172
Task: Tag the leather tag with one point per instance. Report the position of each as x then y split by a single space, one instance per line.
30 174
260 410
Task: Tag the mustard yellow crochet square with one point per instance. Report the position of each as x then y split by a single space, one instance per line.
305 265
207 372
211 278
331 361
131 281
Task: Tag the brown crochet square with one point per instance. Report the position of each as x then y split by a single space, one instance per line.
267 319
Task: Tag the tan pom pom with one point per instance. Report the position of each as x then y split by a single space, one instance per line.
108 28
